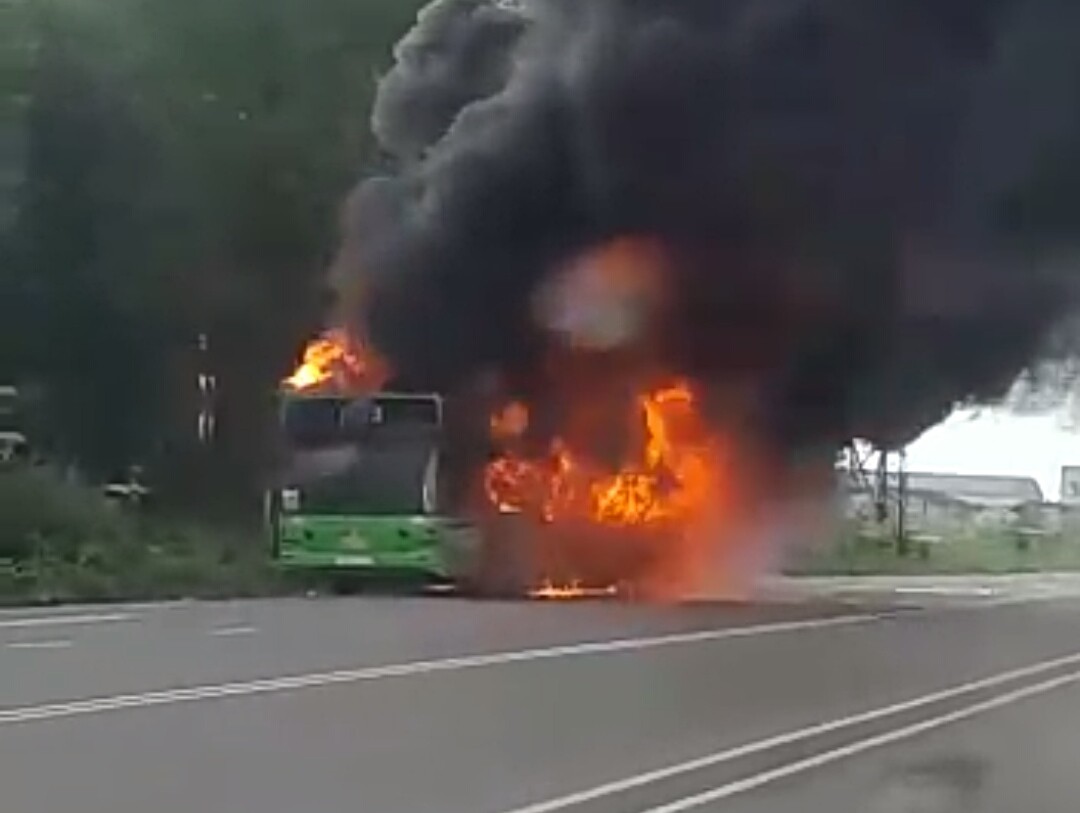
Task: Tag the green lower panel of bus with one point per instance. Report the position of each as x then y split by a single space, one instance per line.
391 543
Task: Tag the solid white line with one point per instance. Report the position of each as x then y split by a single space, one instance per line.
284 684
225 632
39 645
63 620
81 609
860 746
790 737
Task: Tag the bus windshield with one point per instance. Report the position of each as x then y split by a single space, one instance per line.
376 455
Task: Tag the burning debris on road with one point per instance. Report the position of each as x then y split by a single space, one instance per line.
832 218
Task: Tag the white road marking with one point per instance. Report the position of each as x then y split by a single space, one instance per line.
63 620
99 705
80 609
959 592
861 746
225 632
39 645
791 737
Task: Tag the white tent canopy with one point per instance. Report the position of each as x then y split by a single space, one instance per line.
995 441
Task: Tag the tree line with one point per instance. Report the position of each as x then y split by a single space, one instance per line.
170 175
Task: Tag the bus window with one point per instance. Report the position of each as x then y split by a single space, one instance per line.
309 422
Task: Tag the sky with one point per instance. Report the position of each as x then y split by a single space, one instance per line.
994 441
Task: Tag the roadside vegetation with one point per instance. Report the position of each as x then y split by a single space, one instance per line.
63 542
857 552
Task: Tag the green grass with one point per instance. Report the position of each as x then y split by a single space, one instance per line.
972 553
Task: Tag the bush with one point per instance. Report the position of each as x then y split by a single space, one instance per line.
42 515
60 541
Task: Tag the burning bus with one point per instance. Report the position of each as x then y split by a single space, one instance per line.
455 491
357 488
370 481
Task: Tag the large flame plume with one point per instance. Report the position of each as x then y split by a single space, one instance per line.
670 478
670 502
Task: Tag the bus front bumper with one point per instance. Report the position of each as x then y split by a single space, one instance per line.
409 544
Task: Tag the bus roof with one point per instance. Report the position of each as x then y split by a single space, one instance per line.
315 393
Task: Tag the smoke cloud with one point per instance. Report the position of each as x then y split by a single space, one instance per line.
868 209
458 52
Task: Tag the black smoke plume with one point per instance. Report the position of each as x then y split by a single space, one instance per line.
871 208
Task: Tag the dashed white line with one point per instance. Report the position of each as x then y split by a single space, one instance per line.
64 620
226 632
97 705
861 746
39 644
791 737
958 592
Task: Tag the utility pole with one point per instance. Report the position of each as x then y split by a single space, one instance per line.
891 491
902 547
206 381
881 487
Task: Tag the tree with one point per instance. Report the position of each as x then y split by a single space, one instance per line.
17 48
183 169
85 326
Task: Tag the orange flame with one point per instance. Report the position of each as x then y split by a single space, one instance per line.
338 360
669 495
673 477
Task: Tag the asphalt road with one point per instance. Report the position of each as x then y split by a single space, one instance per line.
445 706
